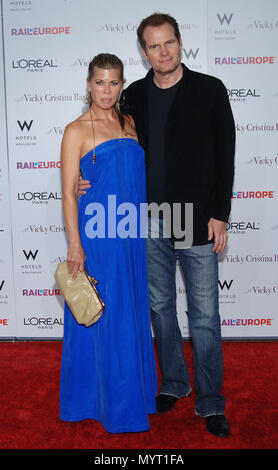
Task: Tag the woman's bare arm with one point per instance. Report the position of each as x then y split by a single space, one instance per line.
70 159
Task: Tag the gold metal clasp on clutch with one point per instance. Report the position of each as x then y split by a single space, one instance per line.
93 280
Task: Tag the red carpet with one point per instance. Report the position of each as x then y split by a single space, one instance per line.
29 374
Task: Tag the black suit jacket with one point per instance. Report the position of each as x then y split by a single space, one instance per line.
199 145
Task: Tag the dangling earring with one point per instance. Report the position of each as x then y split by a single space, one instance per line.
89 97
121 100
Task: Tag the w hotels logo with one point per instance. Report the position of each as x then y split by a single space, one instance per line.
30 253
225 29
25 125
190 53
191 58
225 284
224 18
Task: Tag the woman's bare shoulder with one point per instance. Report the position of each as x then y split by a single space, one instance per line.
76 127
129 119
130 125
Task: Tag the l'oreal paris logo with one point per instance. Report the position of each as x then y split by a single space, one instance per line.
237 94
33 64
34 197
242 226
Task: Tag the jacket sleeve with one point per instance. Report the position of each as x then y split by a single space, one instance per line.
224 129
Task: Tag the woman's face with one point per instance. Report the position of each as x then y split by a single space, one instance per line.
105 87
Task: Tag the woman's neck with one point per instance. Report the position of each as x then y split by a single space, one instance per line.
103 114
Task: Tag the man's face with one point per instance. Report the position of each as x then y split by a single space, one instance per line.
163 50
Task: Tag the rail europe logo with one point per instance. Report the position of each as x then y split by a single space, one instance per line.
42 31
37 165
247 322
253 194
41 292
244 60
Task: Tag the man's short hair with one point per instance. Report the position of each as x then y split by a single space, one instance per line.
156 19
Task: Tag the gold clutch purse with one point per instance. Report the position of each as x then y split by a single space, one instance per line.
80 294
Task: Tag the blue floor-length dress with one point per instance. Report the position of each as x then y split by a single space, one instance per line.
108 370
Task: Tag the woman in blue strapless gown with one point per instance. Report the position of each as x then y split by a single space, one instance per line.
108 370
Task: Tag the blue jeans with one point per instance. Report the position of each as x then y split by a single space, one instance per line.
200 269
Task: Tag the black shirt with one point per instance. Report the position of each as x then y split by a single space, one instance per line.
199 145
159 103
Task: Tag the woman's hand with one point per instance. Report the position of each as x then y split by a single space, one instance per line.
75 259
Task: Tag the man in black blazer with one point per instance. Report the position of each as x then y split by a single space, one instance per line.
185 125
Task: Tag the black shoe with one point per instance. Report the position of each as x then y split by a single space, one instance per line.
218 425
165 402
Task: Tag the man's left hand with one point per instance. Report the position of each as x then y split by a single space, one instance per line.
217 230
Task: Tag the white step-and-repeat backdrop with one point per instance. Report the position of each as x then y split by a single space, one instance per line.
45 49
